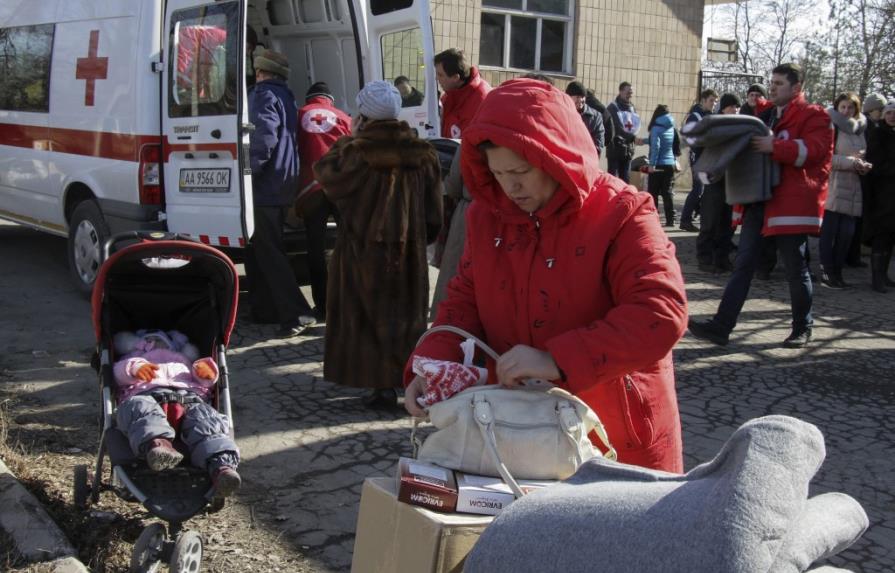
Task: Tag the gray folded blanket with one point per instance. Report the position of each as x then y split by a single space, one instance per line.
749 176
745 511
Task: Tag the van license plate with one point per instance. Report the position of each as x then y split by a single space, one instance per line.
205 180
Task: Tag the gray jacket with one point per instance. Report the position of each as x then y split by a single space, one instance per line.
750 176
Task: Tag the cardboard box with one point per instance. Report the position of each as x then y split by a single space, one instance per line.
395 537
489 495
426 485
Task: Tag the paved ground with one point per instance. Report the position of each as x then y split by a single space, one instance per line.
307 444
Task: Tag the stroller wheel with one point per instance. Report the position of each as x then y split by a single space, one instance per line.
147 554
187 554
81 487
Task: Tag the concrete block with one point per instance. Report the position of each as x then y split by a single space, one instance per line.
35 534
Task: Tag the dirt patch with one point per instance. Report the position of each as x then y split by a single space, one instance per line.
104 534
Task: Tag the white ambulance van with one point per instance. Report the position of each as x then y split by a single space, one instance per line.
120 115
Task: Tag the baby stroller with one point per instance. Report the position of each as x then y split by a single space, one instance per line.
167 282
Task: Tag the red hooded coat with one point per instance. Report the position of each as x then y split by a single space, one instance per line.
320 124
591 277
458 106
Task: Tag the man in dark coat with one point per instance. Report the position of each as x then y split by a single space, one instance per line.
386 184
879 204
593 120
620 150
273 290
706 105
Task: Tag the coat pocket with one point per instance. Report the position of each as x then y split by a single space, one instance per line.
637 413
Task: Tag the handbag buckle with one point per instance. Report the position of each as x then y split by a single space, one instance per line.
568 417
481 409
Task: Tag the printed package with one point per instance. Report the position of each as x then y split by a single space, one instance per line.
427 485
485 495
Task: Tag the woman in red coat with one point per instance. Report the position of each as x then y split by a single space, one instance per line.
566 273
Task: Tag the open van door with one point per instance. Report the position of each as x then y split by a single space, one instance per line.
399 36
205 128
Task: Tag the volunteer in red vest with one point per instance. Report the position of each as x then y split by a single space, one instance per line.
802 146
464 90
320 124
566 273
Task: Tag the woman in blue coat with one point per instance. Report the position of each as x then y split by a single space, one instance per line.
661 161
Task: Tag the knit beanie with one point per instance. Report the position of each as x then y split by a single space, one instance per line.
873 102
319 89
729 100
757 88
273 62
576 89
889 106
379 100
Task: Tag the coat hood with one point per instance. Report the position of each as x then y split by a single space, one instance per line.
665 121
540 123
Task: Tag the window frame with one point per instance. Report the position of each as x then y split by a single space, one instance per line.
508 13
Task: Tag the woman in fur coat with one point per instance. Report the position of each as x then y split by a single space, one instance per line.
386 184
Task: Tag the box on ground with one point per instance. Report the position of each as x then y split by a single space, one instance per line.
426 485
489 495
396 537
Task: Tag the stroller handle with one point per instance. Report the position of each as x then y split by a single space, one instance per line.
120 240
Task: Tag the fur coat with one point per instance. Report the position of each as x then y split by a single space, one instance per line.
386 184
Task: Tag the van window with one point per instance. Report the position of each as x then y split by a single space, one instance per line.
385 6
203 62
403 60
25 67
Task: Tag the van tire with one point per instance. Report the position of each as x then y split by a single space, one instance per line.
87 234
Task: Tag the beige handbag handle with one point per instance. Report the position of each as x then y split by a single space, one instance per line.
459 332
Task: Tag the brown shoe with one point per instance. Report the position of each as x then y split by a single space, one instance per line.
226 482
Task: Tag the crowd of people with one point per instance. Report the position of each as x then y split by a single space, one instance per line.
562 267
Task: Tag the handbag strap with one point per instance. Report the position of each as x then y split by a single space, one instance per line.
459 332
484 419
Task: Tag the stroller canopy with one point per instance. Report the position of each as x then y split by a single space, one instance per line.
167 285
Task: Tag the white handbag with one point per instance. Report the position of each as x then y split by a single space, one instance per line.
537 431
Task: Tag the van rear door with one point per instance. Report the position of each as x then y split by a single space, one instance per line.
205 129
400 39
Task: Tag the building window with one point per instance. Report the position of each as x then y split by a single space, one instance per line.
25 68
527 35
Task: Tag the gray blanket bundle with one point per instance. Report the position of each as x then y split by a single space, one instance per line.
727 153
745 511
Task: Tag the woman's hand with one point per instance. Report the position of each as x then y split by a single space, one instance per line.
147 372
411 393
524 362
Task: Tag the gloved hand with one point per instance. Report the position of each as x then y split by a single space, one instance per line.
147 371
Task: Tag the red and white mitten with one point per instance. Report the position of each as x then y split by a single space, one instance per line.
445 378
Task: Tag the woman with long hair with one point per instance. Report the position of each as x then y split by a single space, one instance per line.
661 161
844 202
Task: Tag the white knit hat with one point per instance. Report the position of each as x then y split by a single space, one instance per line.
889 106
379 100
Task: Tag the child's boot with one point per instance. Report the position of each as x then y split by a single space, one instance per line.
161 455
226 482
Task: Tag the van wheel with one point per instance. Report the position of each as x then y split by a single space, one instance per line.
87 233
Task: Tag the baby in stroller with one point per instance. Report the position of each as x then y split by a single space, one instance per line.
163 387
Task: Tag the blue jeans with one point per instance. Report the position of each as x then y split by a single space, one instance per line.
792 250
693 197
835 239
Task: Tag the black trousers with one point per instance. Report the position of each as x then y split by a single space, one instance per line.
315 212
715 231
273 290
659 184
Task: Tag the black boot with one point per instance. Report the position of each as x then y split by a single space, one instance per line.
828 278
879 264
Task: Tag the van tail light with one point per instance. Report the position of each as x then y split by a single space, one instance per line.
150 176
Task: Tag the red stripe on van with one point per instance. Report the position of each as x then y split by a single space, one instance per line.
204 239
242 242
224 241
108 145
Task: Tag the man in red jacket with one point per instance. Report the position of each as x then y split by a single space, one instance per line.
464 90
802 144
320 124
566 273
